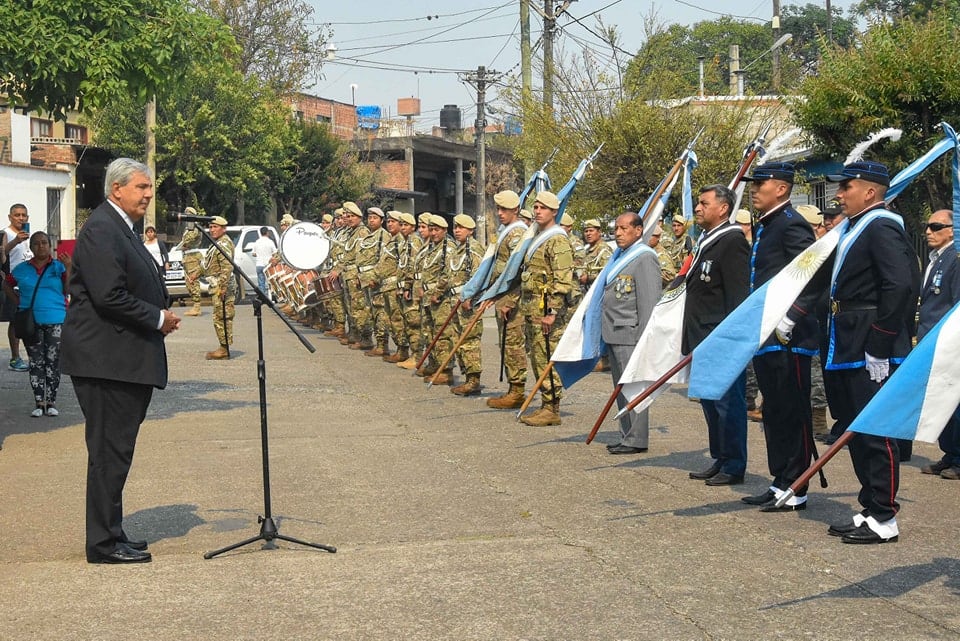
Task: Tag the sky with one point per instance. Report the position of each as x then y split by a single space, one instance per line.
388 49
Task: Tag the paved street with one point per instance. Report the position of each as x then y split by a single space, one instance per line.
451 520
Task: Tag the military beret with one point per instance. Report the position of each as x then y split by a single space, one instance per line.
525 213
350 207
464 221
327 218
287 220
394 214
438 221
548 199
679 219
592 222
425 217
375 210
507 199
743 217
408 219
566 219
219 220
811 214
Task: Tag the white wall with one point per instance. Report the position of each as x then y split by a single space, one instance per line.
19 138
28 185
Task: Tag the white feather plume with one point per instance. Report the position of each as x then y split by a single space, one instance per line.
856 154
777 144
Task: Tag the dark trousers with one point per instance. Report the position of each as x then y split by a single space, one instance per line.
784 379
876 459
634 427
727 427
113 411
949 440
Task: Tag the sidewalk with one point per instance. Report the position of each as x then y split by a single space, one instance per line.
451 520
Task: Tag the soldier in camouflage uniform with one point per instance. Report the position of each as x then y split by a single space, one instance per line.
357 310
667 270
408 291
436 303
373 250
335 304
579 249
507 307
466 259
678 244
596 254
192 262
390 290
548 295
219 272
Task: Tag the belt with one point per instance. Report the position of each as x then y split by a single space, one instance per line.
387 282
841 306
192 251
367 268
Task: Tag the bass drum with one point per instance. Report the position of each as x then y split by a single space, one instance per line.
304 246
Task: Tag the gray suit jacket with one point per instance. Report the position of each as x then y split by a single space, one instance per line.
116 294
629 299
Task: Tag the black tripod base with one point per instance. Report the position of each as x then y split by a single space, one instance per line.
268 533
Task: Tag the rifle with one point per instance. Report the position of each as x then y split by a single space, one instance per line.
503 348
223 310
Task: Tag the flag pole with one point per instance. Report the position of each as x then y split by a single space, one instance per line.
536 386
423 359
463 338
657 384
604 412
813 469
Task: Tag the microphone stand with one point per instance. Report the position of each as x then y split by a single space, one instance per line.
268 527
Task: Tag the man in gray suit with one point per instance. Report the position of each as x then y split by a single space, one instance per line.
112 347
631 288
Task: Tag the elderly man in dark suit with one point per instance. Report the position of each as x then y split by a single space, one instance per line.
717 282
630 292
939 293
113 350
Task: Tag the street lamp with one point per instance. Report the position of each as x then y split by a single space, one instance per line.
353 94
782 40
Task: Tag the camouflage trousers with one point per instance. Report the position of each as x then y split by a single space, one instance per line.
514 347
552 389
410 308
192 269
468 355
818 395
435 315
223 313
359 309
378 318
391 301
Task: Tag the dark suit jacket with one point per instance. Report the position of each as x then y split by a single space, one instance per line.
624 318
116 298
937 300
717 282
781 235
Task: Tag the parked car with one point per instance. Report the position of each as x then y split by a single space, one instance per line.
243 236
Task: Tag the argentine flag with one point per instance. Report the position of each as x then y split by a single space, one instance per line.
919 398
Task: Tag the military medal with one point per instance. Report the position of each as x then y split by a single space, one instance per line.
937 279
705 270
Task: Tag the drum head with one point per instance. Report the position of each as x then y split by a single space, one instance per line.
304 246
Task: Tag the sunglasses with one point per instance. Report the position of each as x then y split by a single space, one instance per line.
938 226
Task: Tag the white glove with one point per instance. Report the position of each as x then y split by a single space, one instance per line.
784 331
877 368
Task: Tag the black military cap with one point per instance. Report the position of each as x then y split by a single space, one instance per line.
874 172
773 170
832 209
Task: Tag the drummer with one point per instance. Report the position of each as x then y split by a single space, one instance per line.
326 222
334 305
280 292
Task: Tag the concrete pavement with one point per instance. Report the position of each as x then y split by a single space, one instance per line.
452 521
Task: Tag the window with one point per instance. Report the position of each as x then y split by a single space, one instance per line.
819 193
75 132
40 128
322 118
298 115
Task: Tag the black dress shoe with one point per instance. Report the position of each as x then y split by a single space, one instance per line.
610 446
626 449
771 506
710 472
122 554
759 499
725 479
135 544
863 535
840 530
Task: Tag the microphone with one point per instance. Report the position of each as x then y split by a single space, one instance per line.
178 217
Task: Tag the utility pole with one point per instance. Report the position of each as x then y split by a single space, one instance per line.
549 16
151 156
526 55
480 80
829 23
776 51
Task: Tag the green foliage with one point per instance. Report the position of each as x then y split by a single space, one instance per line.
63 54
808 24
894 10
899 75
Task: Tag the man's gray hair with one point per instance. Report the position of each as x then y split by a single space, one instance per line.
121 170
723 193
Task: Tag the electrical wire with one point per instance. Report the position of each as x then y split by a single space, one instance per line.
406 33
433 17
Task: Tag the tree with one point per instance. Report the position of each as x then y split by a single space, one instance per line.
894 10
276 42
899 75
71 54
808 24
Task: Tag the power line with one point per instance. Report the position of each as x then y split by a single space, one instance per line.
720 13
428 17
413 31
435 42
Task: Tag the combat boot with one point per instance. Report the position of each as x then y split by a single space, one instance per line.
820 421
336 332
410 363
426 370
548 414
195 311
444 377
380 350
470 387
402 354
219 354
511 400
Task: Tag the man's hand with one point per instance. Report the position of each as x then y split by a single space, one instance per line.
784 331
877 368
504 312
467 305
171 322
546 323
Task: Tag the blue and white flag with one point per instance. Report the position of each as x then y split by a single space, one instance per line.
687 194
581 345
922 394
724 354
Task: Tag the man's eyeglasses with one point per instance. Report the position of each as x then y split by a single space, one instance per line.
938 226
